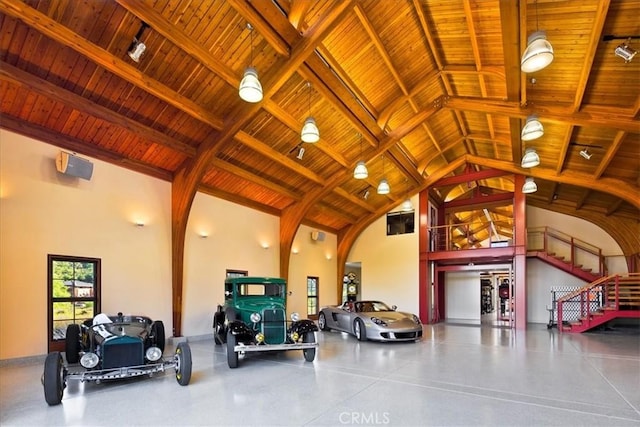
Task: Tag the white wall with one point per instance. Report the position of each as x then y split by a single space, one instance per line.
462 295
389 265
43 212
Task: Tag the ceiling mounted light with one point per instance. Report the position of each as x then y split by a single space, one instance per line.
625 52
310 132
584 153
383 186
406 206
532 129
360 172
137 48
250 88
530 158
300 153
529 186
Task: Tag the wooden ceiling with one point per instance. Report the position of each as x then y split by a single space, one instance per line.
419 89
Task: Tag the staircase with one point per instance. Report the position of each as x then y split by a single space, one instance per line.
578 258
605 299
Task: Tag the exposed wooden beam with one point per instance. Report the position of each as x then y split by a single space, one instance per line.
22 78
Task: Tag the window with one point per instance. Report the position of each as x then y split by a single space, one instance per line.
73 294
312 297
237 273
400 223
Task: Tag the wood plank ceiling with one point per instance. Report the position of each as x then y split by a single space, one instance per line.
418 89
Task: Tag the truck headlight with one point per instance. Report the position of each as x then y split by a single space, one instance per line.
295 316
89 360
255 317
153 353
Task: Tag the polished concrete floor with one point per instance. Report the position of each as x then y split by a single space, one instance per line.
457 375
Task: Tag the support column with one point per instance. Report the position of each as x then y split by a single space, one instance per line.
520 259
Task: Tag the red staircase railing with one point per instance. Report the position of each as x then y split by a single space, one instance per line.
618 292
576 252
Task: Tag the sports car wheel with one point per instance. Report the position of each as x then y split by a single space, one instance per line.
53 378
232 356
72 343
359 331
157 330
309 353
183 359
322 322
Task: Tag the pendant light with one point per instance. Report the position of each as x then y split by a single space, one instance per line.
360 172
383 186
250 88
530 158
407 206
532 129
539 52
310 132
529 186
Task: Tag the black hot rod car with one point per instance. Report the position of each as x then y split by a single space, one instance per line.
112 347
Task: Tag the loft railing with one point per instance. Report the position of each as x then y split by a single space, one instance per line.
606 293
462 236
563 246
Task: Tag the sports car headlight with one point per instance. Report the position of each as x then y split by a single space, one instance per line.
255 317
153 353
417 319
378 321
295 316
89 360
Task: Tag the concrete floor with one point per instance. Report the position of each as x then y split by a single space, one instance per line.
466 375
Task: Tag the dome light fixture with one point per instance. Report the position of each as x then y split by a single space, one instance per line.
532 129
530 158
539 52
529 186
360 172
250 89
310 132
383 186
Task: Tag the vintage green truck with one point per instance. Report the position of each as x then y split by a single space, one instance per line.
254 318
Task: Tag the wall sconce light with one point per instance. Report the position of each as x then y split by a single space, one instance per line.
139 223
328 256
137 48
584 153
264 245
294 251
250 89
203 234
529 186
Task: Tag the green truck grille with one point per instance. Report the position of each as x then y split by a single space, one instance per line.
274 326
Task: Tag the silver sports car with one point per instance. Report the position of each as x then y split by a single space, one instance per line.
373 320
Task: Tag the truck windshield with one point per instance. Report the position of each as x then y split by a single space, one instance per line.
260 289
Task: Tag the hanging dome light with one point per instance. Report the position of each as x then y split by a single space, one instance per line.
250 87
360 172
529 186
532 129
530 158
310 132
406 206
538 54
383 187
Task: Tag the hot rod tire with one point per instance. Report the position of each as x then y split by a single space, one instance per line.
72 343
52 379
322 322
309 353
359 331
232 356
157 330
183 357
219 336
